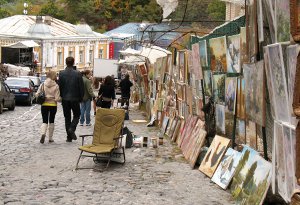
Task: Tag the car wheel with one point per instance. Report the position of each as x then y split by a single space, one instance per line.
1 107
12 107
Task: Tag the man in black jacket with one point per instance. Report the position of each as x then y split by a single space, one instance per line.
71 91
125 85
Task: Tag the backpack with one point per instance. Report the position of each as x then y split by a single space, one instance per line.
129 137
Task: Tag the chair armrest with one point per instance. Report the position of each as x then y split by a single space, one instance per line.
83 136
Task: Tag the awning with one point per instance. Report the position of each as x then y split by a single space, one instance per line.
23 44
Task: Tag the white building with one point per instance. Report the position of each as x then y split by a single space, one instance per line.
234 8
57 40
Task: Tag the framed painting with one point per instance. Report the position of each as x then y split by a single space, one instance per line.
243 46
207 83
195 151
240 132
233 54
251 27
187 132
294 19
186 145
181 65
220 118
226 168
203 53
282 20
241 111
219 88
190 61
268 9
218 54
230 94
252 178
197 69
214 155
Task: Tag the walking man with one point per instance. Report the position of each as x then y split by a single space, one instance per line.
125 85
71 90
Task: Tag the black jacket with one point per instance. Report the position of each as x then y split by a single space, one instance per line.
107 91
125 85
71 85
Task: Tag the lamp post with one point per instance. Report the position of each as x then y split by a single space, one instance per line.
25 8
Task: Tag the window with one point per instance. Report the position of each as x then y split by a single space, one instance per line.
100 53
91 56
71 53
81 57
59 58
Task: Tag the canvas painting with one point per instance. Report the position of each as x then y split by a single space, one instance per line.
214 155
233 54
283 20
240 132
241 111
181 65
251 27
203 53
260 23
207 82
172 127
220 119
243 46
199 141
177 129
226 168
251 138
186 134
218 54
171 119
230 94
164 125
219 88
268 11
196 62
254 92
278 80
252 178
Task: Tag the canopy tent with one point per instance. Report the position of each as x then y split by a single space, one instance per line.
152 53
23 44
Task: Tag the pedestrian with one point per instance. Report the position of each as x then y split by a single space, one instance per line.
71 91
107 92
125 85
49 107
96 85
85 105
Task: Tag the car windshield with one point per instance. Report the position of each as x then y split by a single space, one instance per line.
16 82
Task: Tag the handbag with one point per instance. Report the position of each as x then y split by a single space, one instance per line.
40 99
99 101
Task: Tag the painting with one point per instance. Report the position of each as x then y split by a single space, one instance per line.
219 88
198 143
268 11
172 127
164 125
240 136
196 62
283 20
233 54
218 54
278 80
243 46
190 139
207 83
251 138
203 53
186 134
294 19
230 94
260 23
254 92
177 129
181 65
252 178
214 155
220 119
241 111
226 168
251 27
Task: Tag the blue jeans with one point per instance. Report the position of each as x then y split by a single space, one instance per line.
85 112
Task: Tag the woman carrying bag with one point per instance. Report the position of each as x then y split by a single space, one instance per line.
49 107
106 94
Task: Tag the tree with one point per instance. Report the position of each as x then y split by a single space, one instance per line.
217 10
51 9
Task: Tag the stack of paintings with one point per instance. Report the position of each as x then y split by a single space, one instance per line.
214 155
252 178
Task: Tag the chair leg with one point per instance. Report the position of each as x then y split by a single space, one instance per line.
123 154
110 155
78 160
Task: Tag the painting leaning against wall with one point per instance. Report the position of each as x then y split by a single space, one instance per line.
217 48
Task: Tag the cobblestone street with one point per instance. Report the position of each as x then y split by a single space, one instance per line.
34 173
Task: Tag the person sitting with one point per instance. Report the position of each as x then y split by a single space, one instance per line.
107 92
125 85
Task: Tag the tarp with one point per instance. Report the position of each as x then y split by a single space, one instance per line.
152 53
23 44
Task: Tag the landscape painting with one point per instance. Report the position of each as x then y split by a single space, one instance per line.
283 20
252 178
207 83
218 54
226 168
230 94
220 119
278 81
241 111
197 69
214 155
233 54
219 88
203 53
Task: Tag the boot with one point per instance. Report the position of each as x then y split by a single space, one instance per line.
43 132
51 130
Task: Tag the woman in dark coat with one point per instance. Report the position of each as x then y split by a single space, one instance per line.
107 92
125 85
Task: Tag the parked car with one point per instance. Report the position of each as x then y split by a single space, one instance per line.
22 88
7 98
36 80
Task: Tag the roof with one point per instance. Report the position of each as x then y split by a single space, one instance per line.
26 26
23 44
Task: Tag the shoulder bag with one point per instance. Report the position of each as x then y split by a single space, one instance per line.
40 99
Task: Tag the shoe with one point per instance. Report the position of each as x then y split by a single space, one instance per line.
72 135
80 124
50 141
89 124
69 139
42 140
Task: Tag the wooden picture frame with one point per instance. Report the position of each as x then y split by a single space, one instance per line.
294 17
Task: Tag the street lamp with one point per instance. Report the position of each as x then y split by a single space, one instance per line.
25 8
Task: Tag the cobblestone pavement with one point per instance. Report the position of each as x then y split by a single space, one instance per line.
34 173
